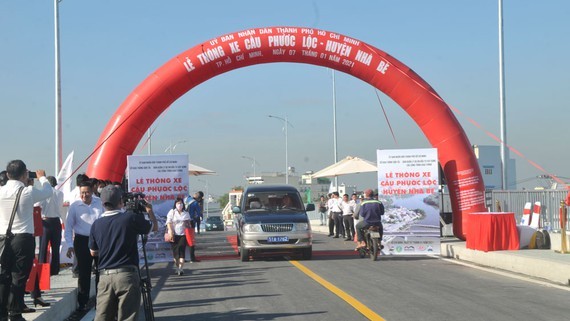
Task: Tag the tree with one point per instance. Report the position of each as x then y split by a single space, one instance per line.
223 200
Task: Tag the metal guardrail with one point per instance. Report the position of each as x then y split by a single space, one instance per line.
513 201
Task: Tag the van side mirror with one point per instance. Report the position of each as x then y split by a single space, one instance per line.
236 210
310 207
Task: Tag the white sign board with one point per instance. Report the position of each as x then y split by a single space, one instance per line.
408 187
159 177
162 178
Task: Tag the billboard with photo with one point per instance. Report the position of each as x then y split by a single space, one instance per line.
408 185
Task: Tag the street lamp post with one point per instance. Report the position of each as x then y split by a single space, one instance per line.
58 130
286 122
253 162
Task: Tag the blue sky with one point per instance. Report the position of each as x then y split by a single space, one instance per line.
109 47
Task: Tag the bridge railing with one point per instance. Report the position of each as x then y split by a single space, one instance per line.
514 201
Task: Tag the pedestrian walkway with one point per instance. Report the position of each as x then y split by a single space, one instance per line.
545 265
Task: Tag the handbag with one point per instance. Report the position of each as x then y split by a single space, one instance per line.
190 236
167 237
5 239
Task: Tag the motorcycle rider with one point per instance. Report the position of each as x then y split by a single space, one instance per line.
371 211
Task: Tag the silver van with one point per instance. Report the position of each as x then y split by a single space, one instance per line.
272 221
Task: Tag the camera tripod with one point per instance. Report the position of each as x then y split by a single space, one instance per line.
145 284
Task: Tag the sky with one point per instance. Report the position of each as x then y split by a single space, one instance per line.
107 48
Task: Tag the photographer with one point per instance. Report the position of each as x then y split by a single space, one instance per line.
113 239
17 259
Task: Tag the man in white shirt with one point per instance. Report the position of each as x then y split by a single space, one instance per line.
17 259
51 220
80 216
347 207
330 200
336 211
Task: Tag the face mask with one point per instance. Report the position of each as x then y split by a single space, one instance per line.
179 206
99 190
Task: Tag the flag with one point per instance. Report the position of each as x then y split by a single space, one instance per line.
64 177
332 188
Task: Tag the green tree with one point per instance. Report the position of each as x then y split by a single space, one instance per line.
223 200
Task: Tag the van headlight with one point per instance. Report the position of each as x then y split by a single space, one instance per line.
302 226
250 228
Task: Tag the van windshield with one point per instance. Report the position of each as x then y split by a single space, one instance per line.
273 201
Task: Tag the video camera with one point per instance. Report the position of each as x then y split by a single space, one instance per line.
135 202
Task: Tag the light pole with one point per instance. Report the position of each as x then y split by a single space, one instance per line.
502 108
58 131
286 122
253 162
207 195
171 147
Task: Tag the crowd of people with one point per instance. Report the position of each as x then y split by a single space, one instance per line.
347 218
100 232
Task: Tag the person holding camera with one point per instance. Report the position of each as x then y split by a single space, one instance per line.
17 259
113 239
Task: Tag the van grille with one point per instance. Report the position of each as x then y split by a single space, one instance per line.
277 227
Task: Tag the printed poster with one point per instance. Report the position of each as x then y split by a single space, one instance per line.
161 178
408 186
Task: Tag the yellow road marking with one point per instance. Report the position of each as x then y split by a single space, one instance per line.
371 315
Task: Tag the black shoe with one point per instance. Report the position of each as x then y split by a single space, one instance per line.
335 237
17 317
81 308
348 239
41 302
330 235
26 309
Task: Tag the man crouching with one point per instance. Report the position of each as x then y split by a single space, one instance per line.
113 239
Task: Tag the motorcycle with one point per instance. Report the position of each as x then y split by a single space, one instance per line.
373 240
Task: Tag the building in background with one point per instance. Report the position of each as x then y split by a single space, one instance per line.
310 189
489 158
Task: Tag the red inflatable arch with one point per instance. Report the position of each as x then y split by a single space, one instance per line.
300 45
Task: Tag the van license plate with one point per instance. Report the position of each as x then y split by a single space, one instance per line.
278 239
375 234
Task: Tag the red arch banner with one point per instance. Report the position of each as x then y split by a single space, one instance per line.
299 45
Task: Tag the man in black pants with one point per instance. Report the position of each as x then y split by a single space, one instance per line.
51 222
336 215
17 259
330 214
80 216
